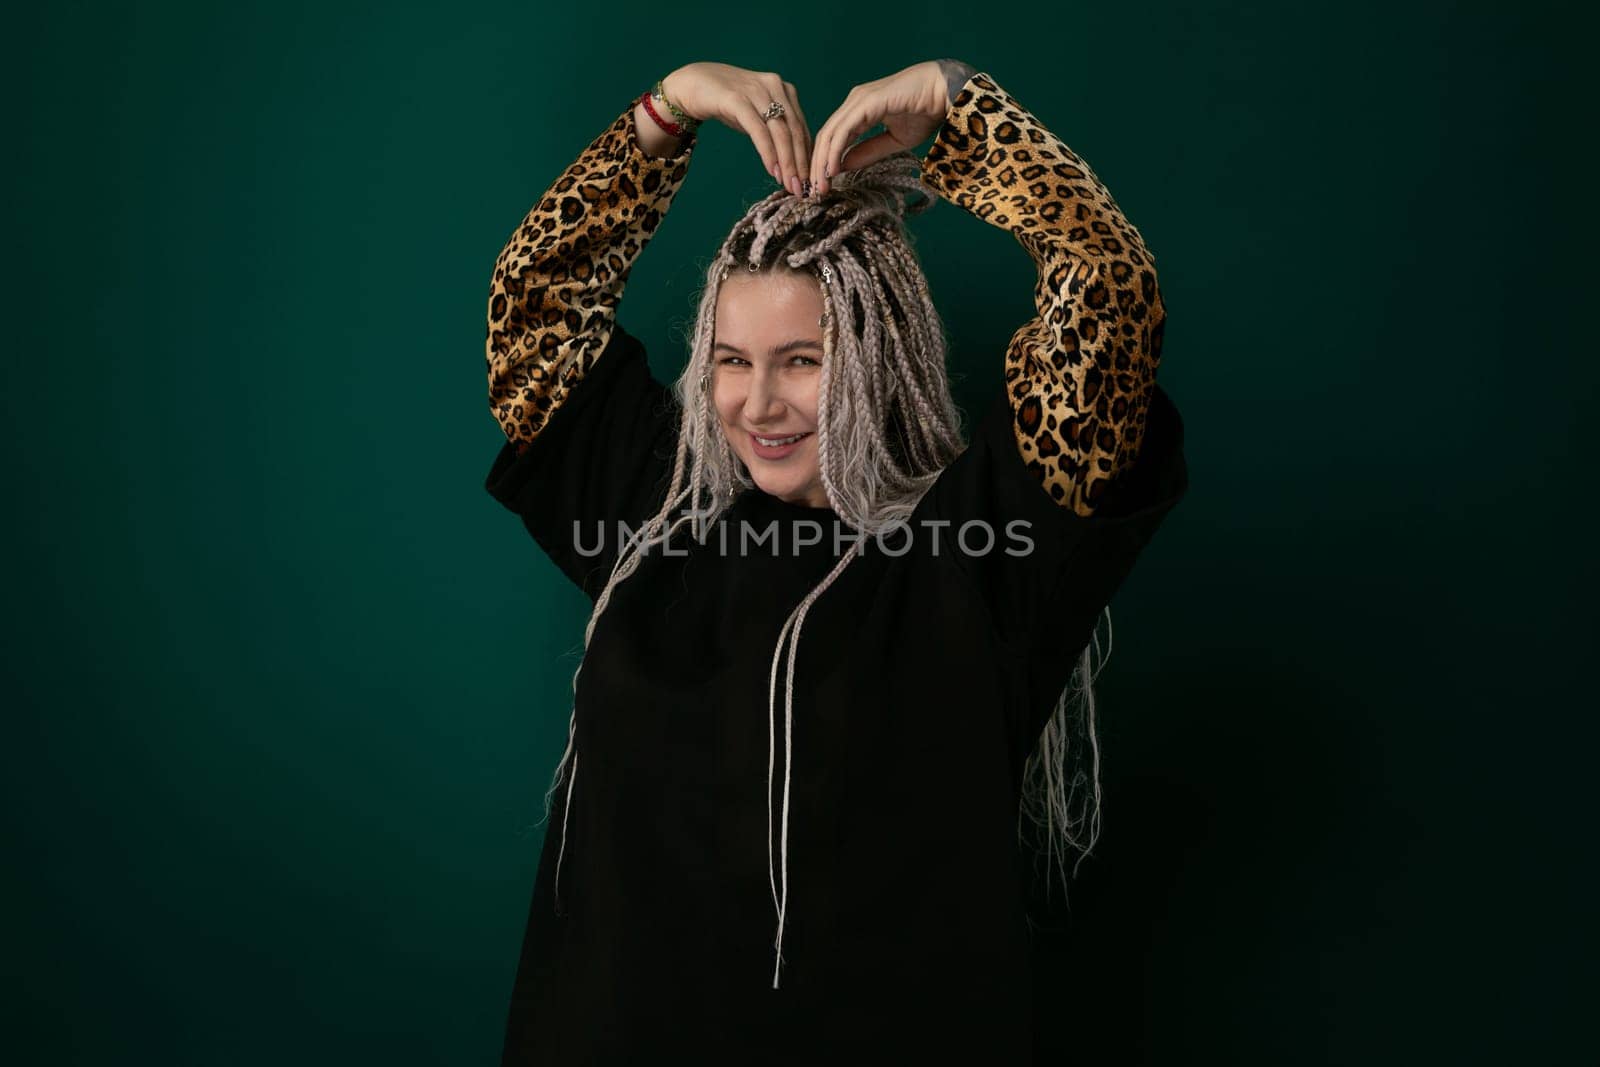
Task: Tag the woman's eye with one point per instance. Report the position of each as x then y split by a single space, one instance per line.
731 359
807 361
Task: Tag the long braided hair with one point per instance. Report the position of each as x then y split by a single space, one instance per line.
886 428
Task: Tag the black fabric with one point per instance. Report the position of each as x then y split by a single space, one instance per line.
921 683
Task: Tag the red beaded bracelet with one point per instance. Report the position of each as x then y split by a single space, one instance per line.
671 127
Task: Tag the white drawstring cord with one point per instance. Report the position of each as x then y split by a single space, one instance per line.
791 634
782 903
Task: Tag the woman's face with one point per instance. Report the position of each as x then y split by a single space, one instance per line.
767 355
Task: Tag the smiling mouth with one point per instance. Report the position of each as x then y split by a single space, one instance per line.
778 442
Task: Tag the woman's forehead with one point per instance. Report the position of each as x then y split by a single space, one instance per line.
776 280
758 297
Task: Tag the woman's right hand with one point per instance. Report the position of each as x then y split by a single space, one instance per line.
738 98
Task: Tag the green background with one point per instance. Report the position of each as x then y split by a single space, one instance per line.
285 686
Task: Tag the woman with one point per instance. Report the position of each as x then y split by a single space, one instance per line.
799 530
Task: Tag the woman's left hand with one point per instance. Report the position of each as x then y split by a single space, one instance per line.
911 105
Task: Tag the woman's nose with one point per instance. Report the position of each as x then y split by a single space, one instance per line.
762 401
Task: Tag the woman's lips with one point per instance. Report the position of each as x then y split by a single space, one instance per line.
779 451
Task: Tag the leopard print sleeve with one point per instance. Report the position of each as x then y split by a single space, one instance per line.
1079 374
557 282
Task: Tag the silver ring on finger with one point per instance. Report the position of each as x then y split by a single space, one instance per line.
774 110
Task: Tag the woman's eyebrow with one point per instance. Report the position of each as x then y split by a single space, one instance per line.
786 347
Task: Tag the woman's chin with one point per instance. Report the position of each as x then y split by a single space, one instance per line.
780 488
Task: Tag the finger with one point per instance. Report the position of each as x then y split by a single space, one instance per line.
822 148
851 124
761 137
782 141
805 125
800 131
843 127
865 153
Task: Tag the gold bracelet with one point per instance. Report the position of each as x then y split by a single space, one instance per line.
687 121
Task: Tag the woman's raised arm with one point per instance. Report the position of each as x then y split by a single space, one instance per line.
558 280
1079 374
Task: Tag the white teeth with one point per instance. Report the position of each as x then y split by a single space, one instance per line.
774 442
